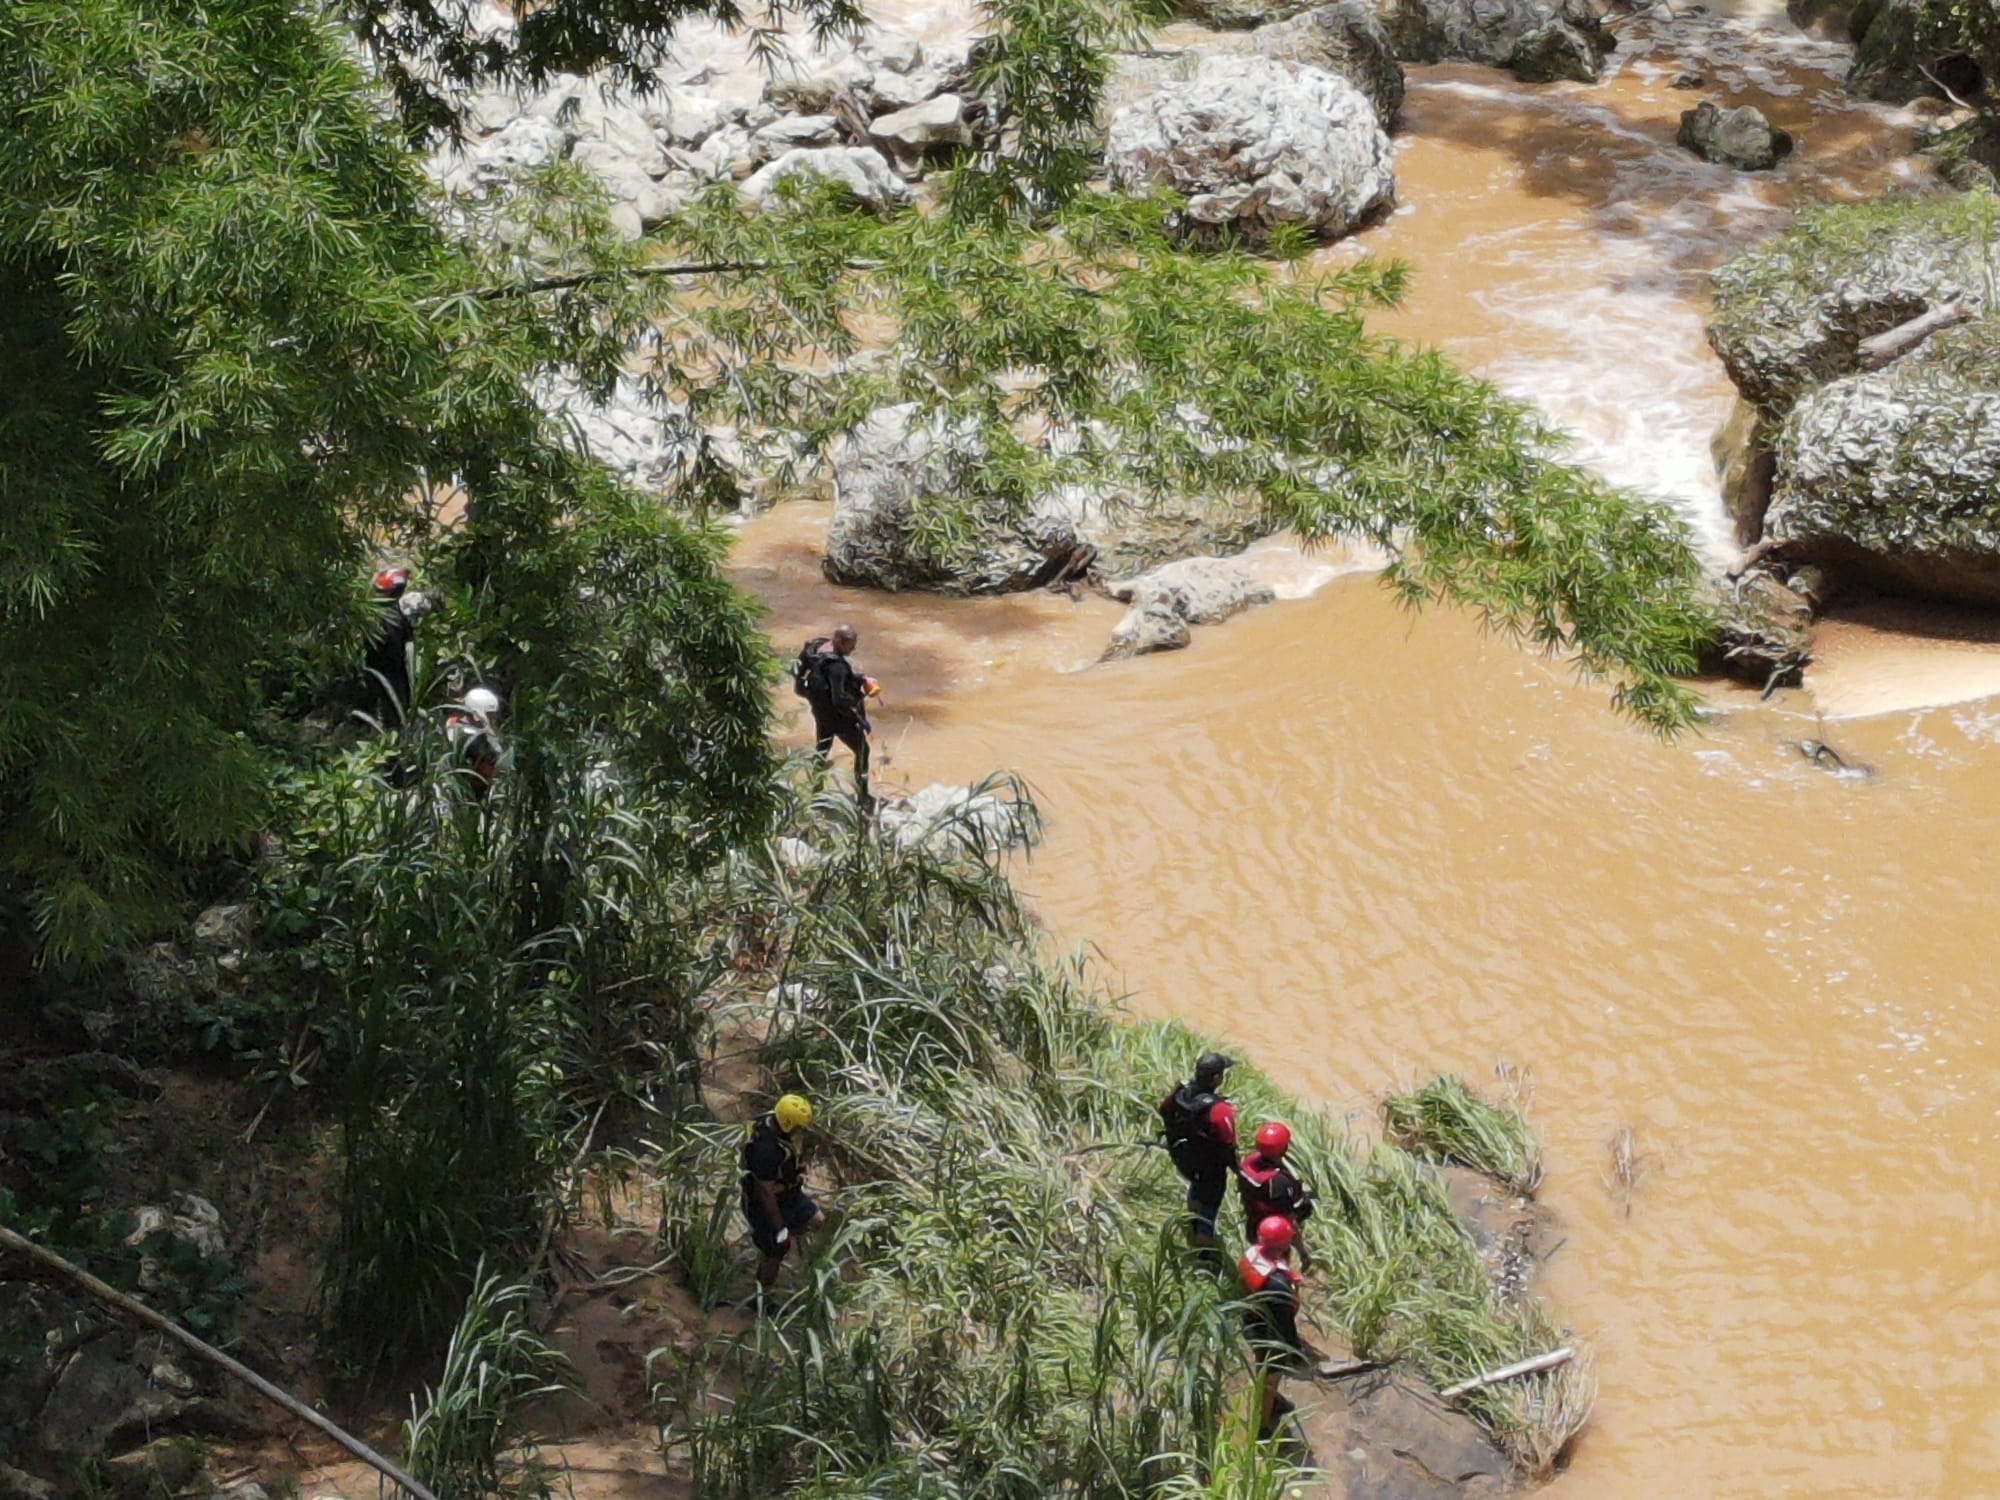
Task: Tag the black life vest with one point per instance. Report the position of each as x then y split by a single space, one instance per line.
1191 1138
1268 1187
765 1128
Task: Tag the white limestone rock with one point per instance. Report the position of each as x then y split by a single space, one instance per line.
1253 144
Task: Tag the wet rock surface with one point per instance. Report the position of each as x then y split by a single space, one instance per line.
1377 1436
1741 137
1764 632
1253 144
1170 599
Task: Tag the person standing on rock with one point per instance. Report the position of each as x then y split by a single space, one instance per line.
838 696
1267 1185
1199 1123
774 1195
1271 1315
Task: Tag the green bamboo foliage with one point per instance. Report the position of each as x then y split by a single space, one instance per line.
1003 1304
464 1438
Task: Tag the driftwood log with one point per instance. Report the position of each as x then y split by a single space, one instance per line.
1532 1366
1900 340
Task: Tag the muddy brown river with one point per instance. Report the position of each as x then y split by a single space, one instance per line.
1369 845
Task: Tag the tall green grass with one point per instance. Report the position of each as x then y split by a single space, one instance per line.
1448 1121
464 1439
495 974
1002 1304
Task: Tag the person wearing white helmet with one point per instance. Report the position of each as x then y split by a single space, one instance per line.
473 739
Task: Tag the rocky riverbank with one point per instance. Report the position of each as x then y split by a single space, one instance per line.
1865 454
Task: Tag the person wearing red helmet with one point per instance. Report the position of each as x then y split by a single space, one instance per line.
1271 1314
388 660
1199 1122
1267 1185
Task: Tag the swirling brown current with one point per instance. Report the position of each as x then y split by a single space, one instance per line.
1369 845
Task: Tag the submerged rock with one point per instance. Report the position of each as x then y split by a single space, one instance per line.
1166 601
950 822
1253 144
1764 633
1741 137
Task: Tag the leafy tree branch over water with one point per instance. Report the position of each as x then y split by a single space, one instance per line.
243 343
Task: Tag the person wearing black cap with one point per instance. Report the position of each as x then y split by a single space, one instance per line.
1199 1124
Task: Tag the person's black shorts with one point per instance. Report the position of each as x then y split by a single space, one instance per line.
797 1211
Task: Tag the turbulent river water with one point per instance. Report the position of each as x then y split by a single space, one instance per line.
1369 845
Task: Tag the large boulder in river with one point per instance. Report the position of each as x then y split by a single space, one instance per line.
1346 39
1739 137
1865 342
1893 479
1794 314
1539 40
883 475
1253 144
899 464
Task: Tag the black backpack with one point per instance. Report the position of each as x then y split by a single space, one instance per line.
806 679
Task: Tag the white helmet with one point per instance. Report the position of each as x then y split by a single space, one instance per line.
483 701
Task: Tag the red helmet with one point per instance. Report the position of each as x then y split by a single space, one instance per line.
392 581
1275 1232
1274 1139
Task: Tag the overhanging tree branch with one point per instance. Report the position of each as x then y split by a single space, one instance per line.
577 279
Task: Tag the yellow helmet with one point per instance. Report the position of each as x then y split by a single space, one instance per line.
794 1113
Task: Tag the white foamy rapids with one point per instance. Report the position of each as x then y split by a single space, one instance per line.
1637 391
1622 361
1295 571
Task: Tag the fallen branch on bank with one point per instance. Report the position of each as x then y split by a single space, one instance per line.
1532 1366
133 1308
1900 340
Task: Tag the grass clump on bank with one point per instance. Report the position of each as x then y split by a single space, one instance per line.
1003 1303
1446 1121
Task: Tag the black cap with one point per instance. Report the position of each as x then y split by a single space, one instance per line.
1211 1064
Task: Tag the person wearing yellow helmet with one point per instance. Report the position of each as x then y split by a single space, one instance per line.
774 1195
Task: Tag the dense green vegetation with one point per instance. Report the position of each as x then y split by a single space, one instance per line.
244 346
250 355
